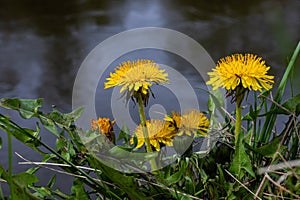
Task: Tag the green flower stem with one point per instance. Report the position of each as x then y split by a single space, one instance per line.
238 113
145 130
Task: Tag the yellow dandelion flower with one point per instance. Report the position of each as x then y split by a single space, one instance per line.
136 76
159 133
248 71
105 126
190 123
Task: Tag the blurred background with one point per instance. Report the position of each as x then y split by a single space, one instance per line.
42 44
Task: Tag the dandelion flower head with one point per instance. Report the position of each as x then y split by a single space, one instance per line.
248 71
159 133
136 76
190 123
104 125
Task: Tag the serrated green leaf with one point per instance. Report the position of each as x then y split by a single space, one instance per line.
26 107
241 161
75 114
49 125
65 120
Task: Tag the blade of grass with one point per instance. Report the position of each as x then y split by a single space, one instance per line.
10 180
270 119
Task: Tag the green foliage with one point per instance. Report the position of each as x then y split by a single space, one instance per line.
27 108
228 171
78 190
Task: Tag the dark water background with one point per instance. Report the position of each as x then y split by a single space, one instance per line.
42 44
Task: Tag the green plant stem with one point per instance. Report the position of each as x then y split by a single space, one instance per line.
11 185
238 122
145 130
238 113
1 193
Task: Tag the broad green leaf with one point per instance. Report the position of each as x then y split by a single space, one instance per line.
241 161
253 114
66 155
61 143
124 182
90 136
71 150
189 185
215 104
293 105
65 148
78 190
221 174
21 184
75 114
124 134
24 179
26 107
185 198
42 192
182 144
248 136
270 149
177 176
64 120
27 138
48 157
49 125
